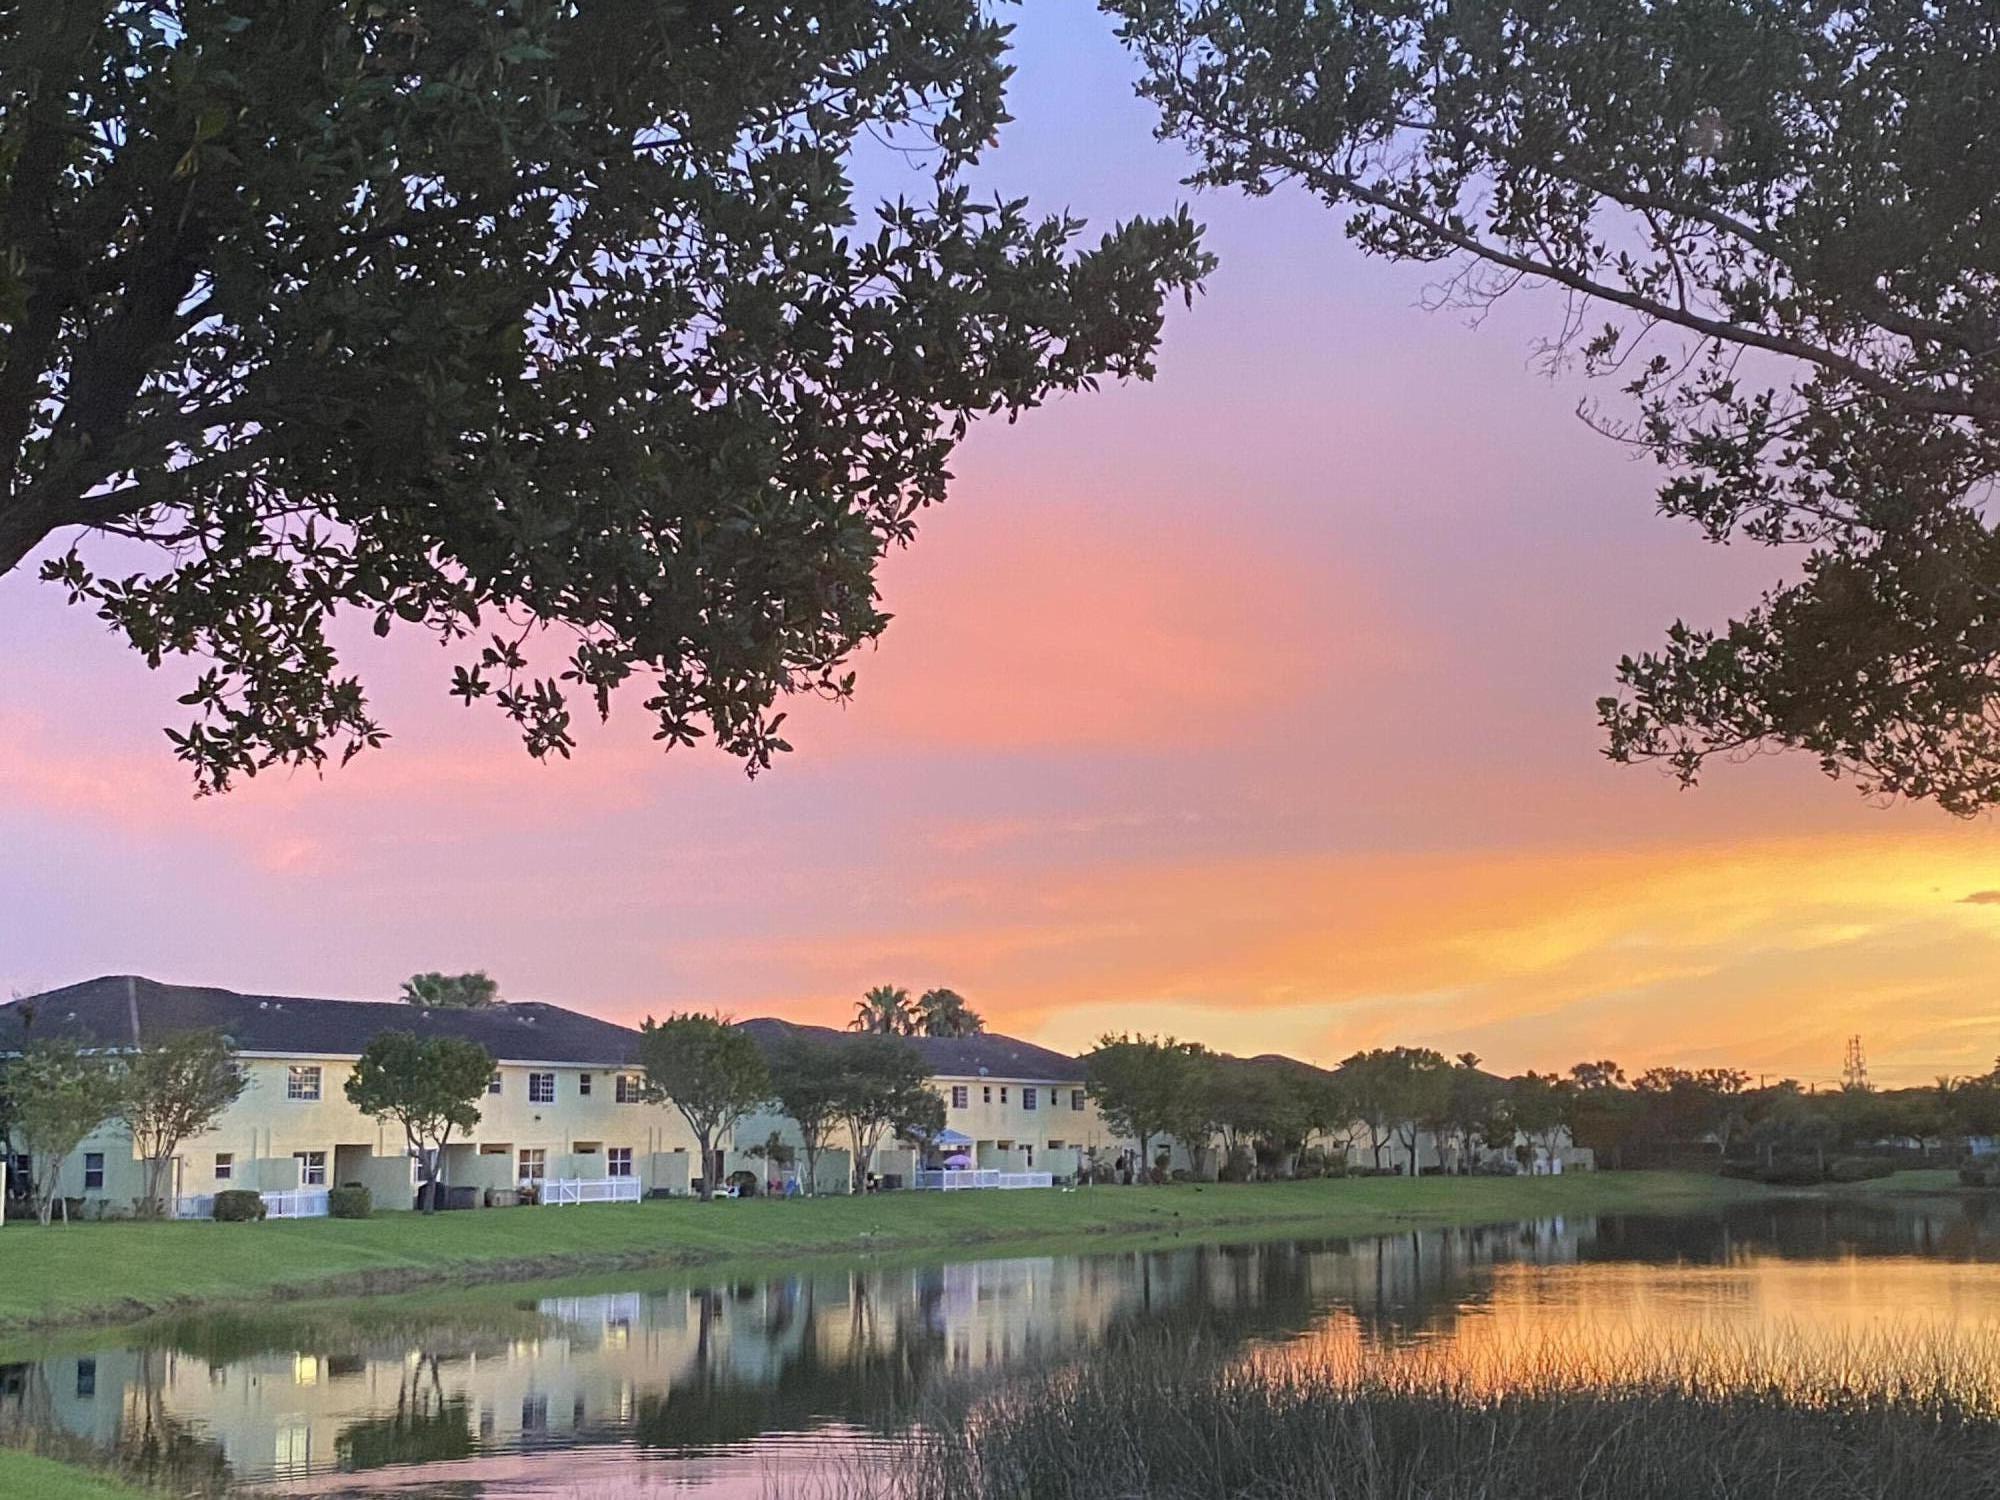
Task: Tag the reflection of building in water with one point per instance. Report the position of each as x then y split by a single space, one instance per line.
682 1368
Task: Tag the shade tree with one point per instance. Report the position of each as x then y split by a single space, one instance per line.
61 1094
553 331
712 1072
1540 1105
174 1090
807 1077
1140 1084
430 1086
883 1089
1763 224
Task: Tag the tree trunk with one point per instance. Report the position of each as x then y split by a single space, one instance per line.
155 1206
707 1149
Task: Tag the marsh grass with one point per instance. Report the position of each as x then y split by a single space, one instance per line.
1705 1418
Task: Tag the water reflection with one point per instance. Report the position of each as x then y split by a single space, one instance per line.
719 1387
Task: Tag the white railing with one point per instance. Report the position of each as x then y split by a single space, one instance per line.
299 1203
952 1179
560 1190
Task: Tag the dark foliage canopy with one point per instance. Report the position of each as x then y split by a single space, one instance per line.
504 320
1772 220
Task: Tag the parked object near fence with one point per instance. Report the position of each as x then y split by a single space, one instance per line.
563 1190
955 1179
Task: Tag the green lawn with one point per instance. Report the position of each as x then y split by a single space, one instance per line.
125 1270
31 1478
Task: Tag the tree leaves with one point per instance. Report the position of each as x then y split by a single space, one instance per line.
1786 211
558 314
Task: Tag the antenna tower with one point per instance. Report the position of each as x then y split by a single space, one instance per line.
1854 1072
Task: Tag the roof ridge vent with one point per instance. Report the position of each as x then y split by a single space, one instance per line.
263 1005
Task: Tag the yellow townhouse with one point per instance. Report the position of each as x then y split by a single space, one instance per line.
1010 1106
563 1107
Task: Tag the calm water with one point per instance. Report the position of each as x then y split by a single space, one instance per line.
746 1388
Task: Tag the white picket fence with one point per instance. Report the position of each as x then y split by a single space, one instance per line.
953 1179
561 1190
299 1203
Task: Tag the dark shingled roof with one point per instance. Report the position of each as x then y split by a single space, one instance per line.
107 1012
990 1055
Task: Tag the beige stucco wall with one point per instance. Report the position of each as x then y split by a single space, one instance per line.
264 1129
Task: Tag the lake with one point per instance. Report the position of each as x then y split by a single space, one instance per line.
734 1388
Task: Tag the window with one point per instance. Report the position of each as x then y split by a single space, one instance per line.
496 1150
93 1171
960 1096
618 1162
1055 1145
225 1166
629 1090
1076 1098
302 1081
986 1093
534 1164
541 1088
86 1378
1003 1093
312 1168
493 1084
1028 1099
583 1085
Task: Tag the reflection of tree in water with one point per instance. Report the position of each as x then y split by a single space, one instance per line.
1806 1228
427 1426
870 1375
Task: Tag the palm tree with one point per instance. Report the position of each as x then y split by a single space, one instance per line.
945 1013
885 1009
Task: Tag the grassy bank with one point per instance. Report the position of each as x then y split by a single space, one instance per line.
25 1475
120 1271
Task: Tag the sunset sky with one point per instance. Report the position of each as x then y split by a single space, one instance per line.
1253 705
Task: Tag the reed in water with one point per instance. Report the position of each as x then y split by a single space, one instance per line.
1164 1417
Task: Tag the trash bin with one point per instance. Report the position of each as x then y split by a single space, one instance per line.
462 1197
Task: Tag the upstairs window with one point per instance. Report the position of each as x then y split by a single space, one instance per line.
986 1093
960 1096
1003 1093
225 1166
1028 1099
1076 1098
583 1085
93 1171
630 1090
302 1081
541 1088
493 1084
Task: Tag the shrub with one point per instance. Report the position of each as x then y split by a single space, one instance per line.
238 1206
1980 1172
1859 1168
350 1202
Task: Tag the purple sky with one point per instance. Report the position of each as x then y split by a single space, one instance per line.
1254 705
